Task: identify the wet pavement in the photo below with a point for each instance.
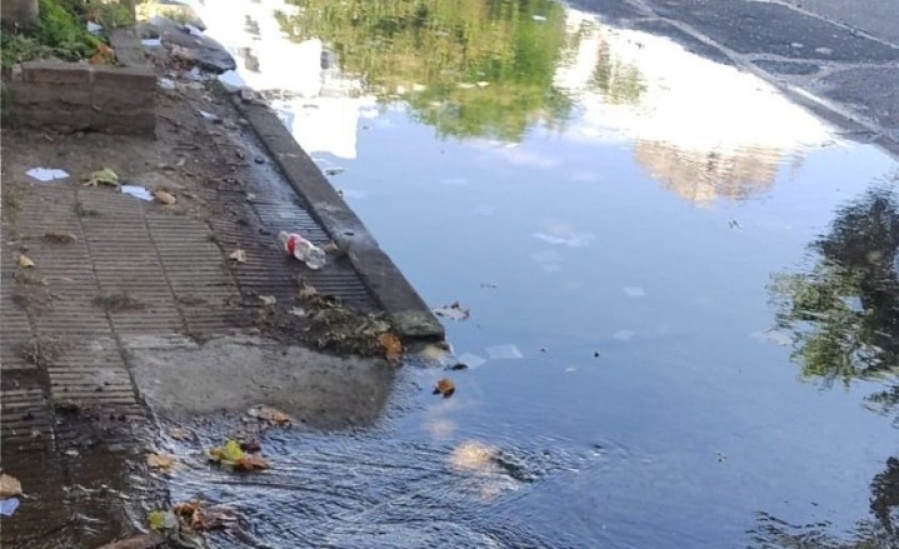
(683, 286)
(684, 289)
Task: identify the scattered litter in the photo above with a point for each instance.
(179, 433)
(634, 291)
(453, 312)
(333, 171)
(722, 457)
(539, 18)
(624, 335)
(8, 506)
(457, 367)
(93, 27)
(166, 84)
(578, 240)
(299, 312)
(151, 42)
(489, 285)
(46, 174)
(71, 452)
(269, 414)
(9, 486)
(471, 360)
(231, 456)
(302, 249)
(161, 462)
(251, 196)
(196, 517)
(268, 299)
(239, 256)
(733, 224)
(137, 192)
(208, 115)
(507, 351)
(165, 198)
(105, 177)
(444, 387)
(25, 262)
(393, 347)
(596, 354)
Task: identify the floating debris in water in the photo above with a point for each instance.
(453, 311)
(507, 351)
(444, 387)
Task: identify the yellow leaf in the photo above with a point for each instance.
(239, 256)
(161, 520)
(24, 262)
(9, 486)
(393, 347)
(105, 176)
(166, 198)
(158, 461)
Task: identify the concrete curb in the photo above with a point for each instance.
(411, 317)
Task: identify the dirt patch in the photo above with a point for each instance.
(31, 294)
(43, 351)
(118, 303)
(59, 237)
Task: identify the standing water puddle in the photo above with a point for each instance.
(683, 288)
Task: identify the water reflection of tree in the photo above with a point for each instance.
(844, 313)
(441, 50)
(844, 316)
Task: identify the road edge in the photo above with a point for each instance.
(410, 316)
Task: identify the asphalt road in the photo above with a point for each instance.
(840, 58)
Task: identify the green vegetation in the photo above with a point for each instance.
(468, 67)
(62, 32)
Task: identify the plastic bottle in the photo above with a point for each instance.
(307, 252)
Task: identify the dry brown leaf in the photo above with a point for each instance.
(9, 486)
(444, 387)
(239, 256)
(178, 433)
(166, 198)
(251, 462)
(159, 461)
(393, 347)
(306, 291)
(24, 262)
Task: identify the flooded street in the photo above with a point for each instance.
(684, 288)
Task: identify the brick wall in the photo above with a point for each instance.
(73, 96)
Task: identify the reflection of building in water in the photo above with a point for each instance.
(701, 177)
(703, 129)
(322, 107)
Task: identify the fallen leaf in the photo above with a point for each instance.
(164, 197)
(269, 414)
(105, 176)
(178, 433)
(251, 462)
(159, 461)
(393, 347)
(162, 520)
(453, 312)
(229, 454)
(186, 509)
(239, 256)
(9, 486)
(268, 299)
(306, 291)
(444, 387)
(24, 262)
(298, 311)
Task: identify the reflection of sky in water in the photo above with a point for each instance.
(654, 314)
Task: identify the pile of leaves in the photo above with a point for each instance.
(335, 326)
(61, 32)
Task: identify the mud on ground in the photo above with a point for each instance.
(91, 278)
